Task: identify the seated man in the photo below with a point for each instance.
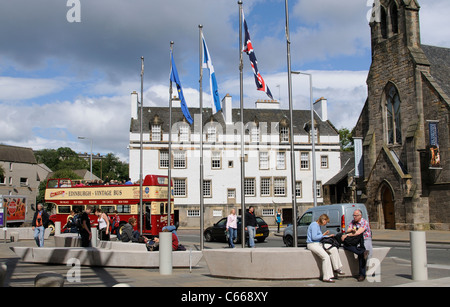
(128, 232)
(359, 226)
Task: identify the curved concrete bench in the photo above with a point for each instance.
(73, 240)
(103, 257)
(23, 233)
(278, 263)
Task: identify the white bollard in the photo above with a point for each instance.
(419, 270)
(57, 228)
(165, 253)
(94, 238)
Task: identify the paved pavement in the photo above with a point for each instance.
(393, 272)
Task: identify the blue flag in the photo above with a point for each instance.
(174, 78)
(207, 63)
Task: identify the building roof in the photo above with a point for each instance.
(17, 154)
(160, 115)
(439, 59)
(347, 169)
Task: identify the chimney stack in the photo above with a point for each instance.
(134, 105)
(320, 107)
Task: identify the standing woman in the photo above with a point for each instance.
(103, 225)
(279, 219)
(232, 227)
(330, 257)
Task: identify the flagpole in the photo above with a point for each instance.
(202, 205)
(241, 82)
(169, 183)
(141, 147)
(291, 129)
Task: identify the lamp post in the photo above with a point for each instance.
(90, 160)
(313, 135)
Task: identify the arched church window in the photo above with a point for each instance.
(394, 18)
(394, 132)
(383, 22)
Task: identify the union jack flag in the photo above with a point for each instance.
(248, 48)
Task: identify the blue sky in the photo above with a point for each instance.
(60, 80)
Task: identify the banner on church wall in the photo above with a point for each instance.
(358, 149)
(435, 157)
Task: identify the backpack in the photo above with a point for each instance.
(357, 241)
(333, 241)
(77, 221)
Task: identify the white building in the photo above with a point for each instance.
(267, 158)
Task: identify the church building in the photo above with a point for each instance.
(403, 129)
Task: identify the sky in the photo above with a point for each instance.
(68, 67)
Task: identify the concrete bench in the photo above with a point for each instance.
(73, 240)
(278, 263)
(122, 246)
(104, 257)
(21, 233)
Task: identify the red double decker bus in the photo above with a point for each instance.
(67, 196)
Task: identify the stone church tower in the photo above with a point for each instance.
(404, 125)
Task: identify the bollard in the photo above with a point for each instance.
(94, 238)
(49, 279)
(57, 228)
(419, 269)
(165, 253)
(3, 273)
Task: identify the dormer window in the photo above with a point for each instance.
(183, 133)
(156, 135)
(284, 134)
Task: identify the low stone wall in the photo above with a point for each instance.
(21, 233)
(132, 257)
(278, 263)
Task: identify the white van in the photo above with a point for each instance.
(340, 217)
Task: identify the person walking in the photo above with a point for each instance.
(251, 225)
(232, 227)
(39, 224)
(330, 257)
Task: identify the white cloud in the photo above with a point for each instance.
(433, 21)
(27, 88)
(106, 120)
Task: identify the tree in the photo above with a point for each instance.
(346, 139)
(61, 158)
(110, 167)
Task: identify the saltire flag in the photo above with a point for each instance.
(207, 63)
(248, 48)
(174, 78)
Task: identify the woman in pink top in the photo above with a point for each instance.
(232, 227)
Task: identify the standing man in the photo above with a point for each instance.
(250, 226)
(39, 223)
(85, 231)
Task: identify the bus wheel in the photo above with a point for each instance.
(52, 228)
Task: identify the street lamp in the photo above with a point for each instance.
(90, 160)
(313, 134)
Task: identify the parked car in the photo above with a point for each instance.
(340, 217)
(217, 231)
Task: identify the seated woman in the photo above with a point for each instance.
(330, 256)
